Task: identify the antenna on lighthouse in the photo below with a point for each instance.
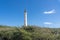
(25, 18)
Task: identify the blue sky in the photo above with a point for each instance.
(40, 12)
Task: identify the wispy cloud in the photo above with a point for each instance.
(48, 23)
(49, 12)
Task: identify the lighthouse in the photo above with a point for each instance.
(25, 18)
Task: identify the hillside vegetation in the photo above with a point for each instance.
(29, 33)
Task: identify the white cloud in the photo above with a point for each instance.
(47, 23)
(50, 12)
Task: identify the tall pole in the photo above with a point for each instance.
(25, 17)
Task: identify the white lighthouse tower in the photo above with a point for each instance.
(25, 18)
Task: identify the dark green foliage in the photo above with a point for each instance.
(28, 33)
